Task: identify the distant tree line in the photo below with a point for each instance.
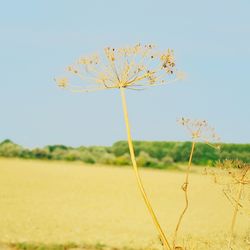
(149, 154)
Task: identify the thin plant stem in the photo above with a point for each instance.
(236, 209)
(138, 177)
(185, 189)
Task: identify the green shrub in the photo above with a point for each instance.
(123, 160)
(145, 160)
(149, 154)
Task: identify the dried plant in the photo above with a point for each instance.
(234, 177)
(199, 130)
(135, 68)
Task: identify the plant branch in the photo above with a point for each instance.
(185, 189)
(138, 177)
(236, 209)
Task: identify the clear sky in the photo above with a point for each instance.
(39, 38)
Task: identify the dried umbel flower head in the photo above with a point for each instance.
(136, 68)
(235, 180)
(230, 174)
(133, 67)
(199, 130)
(228, 164)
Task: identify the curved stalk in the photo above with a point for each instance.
(138, 178)
(236, 208)
(185, 189)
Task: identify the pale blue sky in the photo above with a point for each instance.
(211, 40)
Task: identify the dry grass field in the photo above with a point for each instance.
(57, 202)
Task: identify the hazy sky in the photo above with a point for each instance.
(39, 39)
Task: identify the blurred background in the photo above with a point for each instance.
(40, 38)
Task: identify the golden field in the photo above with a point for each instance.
(60, 202)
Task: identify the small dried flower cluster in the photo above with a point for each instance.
(231, 171)
(200, 130)
(133, 67)
(230, 174)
